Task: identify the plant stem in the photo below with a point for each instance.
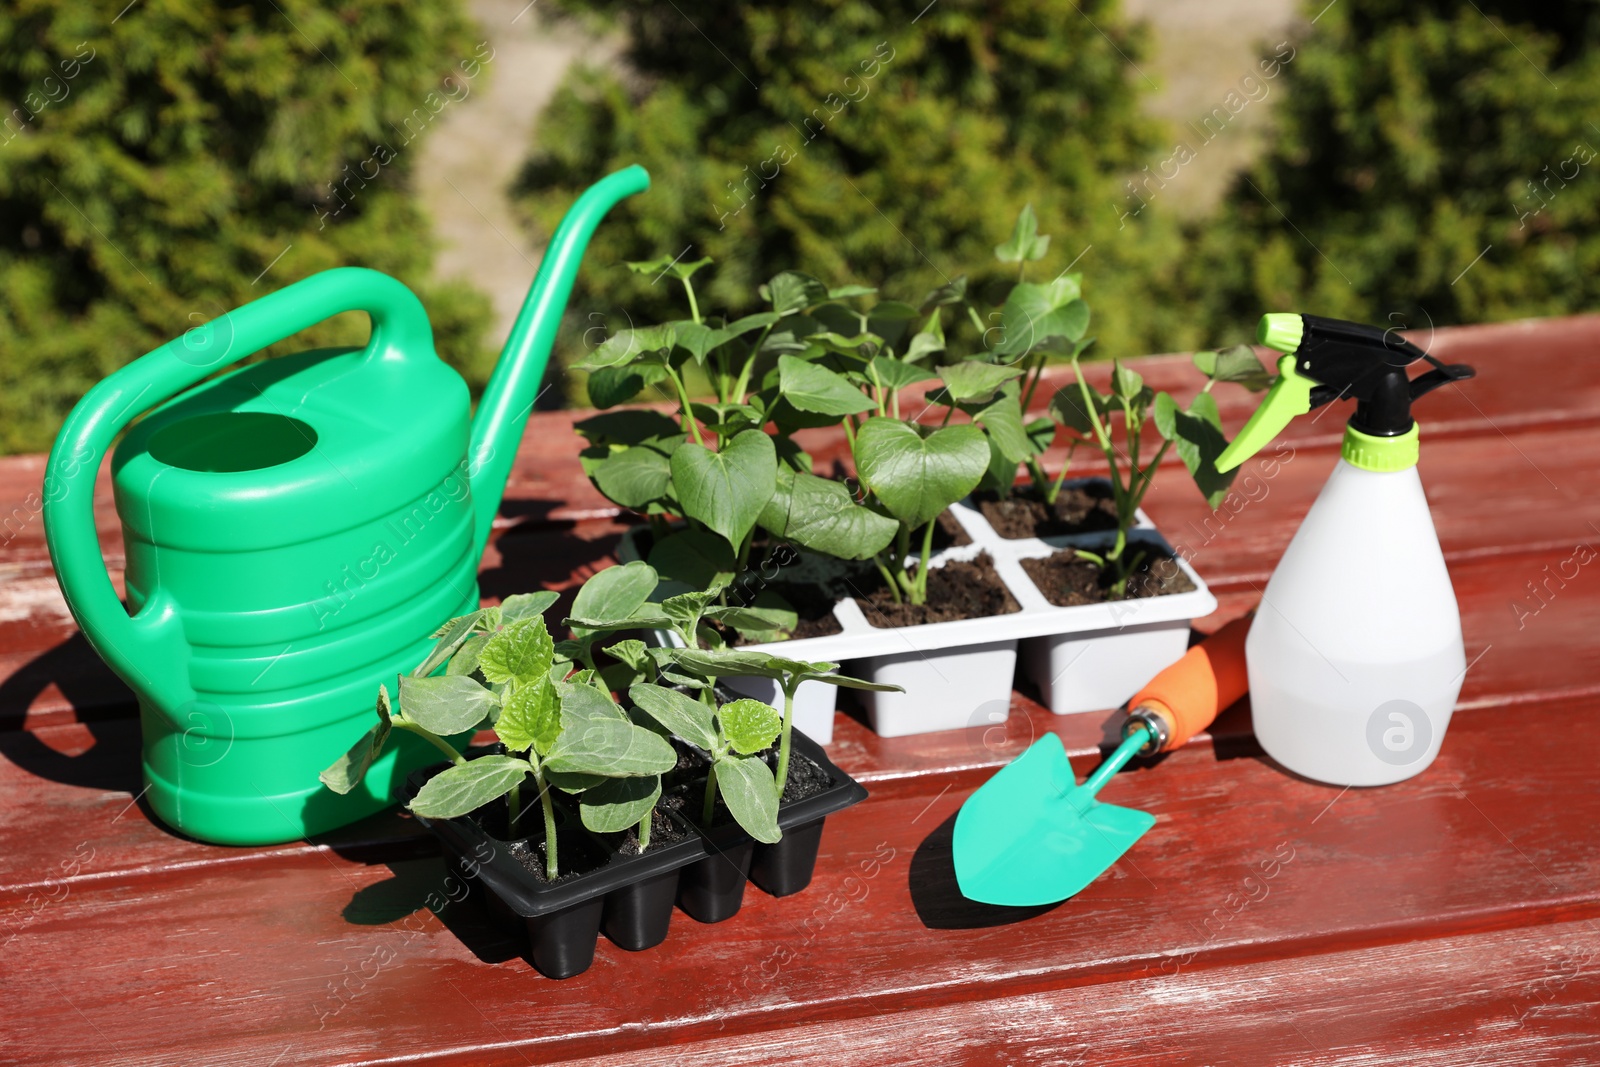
(709, 808)
(644, 830)
(513, 808)
(1061, 476)
(694, 305)
(921, 595)
(1038, 372)
(689, 422)
(550, 867)
(427, 735)
(850, 434)
(888, 579)
(790, 684)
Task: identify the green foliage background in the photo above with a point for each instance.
(861, 143)
(1413, 137)
(192, 143)
(1428, 162)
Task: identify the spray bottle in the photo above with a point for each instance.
(1355, 658)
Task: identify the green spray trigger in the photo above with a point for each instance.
(1289, 396)
(1329, 359)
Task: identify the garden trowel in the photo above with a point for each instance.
(1031, 835)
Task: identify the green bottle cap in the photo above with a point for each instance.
(1281, 331)
(1382, 454)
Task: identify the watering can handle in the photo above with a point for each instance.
(148, 650)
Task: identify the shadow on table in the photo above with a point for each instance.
(104, 707)
(938, 899)
(424, 885)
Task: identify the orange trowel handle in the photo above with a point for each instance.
(1187, 696)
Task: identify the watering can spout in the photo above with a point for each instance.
(514, 385)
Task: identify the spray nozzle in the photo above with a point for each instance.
(1329, 359)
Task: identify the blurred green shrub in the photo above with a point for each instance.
(1413, 139)
(888, 144)
(161, 167)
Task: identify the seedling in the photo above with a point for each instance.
(563, 732)
(733, 737)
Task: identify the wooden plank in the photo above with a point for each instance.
(1245, 864)
(57, 777)
(1532, 373)
(49, 671)
(1528, 996)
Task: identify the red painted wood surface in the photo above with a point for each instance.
(1454, 918)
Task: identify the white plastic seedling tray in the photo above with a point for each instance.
(959, 674)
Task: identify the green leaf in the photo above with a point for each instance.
(697, 559)
(667, 265)
(844, 292)
(451, 636)
(792, 291)
(610, 386)
(582, 702)
(1041, 435)
(520, 606)
(749, 726)
(530, 717)
(751, 794)
(1026, 242)
(1237, 364)
(629, 428)
(1033, 314)
(522, 651)
(1068, 408)
(633, 477)
(1125, 383)
(758, 321)
(618, 803)
(891, 320)
(820, 514)
(1196, 436)
(726, 490)
(614, 593)
(466, 787)
(611, 747)
(810, 387)
(348, 770)
(754, 618)
(625, 346)
(728, 663)
(976, 380)
(1002, 421)
(445, 705)
(635, 654)
(682, 715)
(465, 661)
(917, 477)
(894, 375)
(844, 681)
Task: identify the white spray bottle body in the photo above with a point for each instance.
(1356, 656)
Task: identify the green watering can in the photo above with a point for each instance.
(295, 531)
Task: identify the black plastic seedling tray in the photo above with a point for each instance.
(630, 897)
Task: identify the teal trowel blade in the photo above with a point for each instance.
(1032, 835)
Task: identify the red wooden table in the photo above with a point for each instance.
(1453, 918)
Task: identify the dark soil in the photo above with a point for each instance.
(576, 854)
(814, 607)
(1067, 580)
(949, 533)
(957, 590)
(663, 832)
(806, 779)
(1087, 508)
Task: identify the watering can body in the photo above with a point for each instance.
(295, 533)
